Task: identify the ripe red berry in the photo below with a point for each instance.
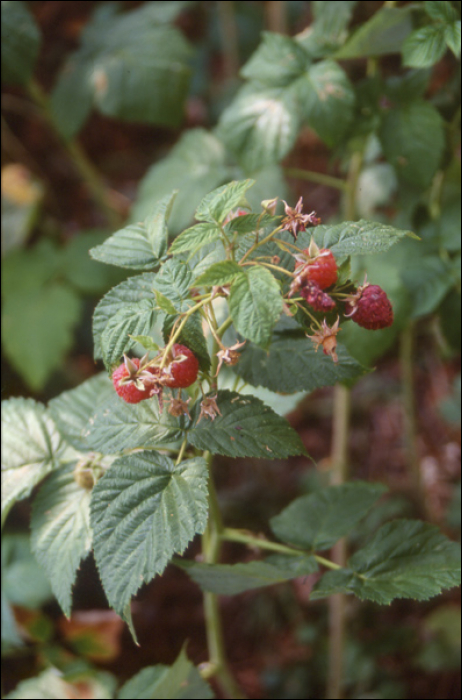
(370, 308)
(316, 298)
(321, 269)
(182, 371)
(127, 389)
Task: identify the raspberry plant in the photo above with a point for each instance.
(129, 463)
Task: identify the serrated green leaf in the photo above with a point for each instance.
(384, 33)
(327, 99)
(37, 330)
(196, 237)
(156, 224)
(425, 46)
(317, 521)
(245, 428)
(181, 681)
(442, 11)
(118, 426)
(173, 281)
(277, 61)
(143, 511)
(31, 447)
(60, 531)
(218, 274)
(72, 409)
(331, 19)
(427, 279)
(130, 67)
(87, 275)
(132, 291)
(72, 98)
(453, 37)
(148, 80)
(11, 638)
(20, 42)
(255, 304)
(292, 365)
(261, 125)
(130, 320)
(194, 166)
(248, 223)
(130, 248)
(413, 140)
(146, 341)
(404, 559)
(216, 205)
(231, 579)
(354, 237)
(192, 335)
(23, 580)
(164, 304)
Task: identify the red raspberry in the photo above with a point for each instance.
(128, 390)
(321, 269)
(182, 370)
(370, 308)
(315, 297)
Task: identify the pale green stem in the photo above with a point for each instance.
(251, 540)
(318, 178)
(258, 244)
(84, 166)
(336, 603)
(224, 326)
(211, 545)
(434, 200)
(339, 470)
(181, 325)
(273, 267)
(182, 451)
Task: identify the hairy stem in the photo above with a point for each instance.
(83, 165)
(211, 545)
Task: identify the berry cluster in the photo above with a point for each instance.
(136, 380)
(316, 271)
